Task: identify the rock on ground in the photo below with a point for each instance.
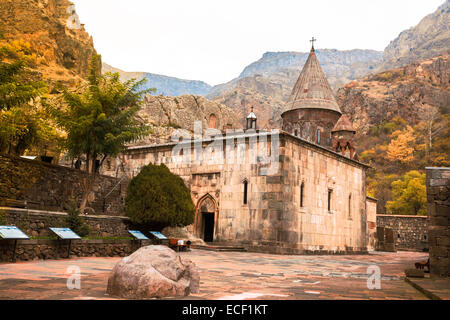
(153, 272)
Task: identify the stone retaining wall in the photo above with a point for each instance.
(27, 250)
(47, 186)
(37, 223)
(438, 198)
(410, 232)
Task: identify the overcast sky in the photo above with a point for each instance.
(213, 40)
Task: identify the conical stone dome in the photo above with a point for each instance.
(312, 90)
(343, 124)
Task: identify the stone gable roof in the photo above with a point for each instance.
(343, 124)
(312, 89)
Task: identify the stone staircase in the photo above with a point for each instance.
(211, 246)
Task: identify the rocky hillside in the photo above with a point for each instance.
(429, 38)
(399, 92)
(50, 30)
(267, 83)
(402, 118)
(167, 114)
(167, 86)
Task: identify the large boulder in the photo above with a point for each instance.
(153, 272)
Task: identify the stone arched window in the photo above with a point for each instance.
(330, 198)
(302, 194)
(350, 206)
(318, 136)
(245, 183)
(212, 121)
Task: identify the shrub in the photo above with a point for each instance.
(75, 222)
(159, 198)
(3, 220)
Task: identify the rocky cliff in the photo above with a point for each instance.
(51, 30)
(167, 114)
(429, 38)
(398, 92)
(167, 86)
(267, 83)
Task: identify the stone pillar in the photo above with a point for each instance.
(438, 199)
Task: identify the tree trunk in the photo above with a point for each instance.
(88, 181)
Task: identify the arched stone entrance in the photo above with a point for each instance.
(206, 218)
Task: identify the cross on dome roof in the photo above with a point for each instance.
(312, 43)
(312, 90)
(251, 115)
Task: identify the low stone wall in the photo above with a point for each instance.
(410, 232)
(438, 199)
(37, 223)
(27, 250)
(47, 186)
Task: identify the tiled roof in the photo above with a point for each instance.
(343, 124)
(312, 89)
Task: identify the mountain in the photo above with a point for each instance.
(429, 38)
(399, 92)
(49, 30)
(402, 118)
(167, 86)
(166, 114)
(266, 84)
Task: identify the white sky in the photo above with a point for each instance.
(213, 40)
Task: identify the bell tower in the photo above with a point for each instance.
(251, 120)
(343, 137)
(312, 110)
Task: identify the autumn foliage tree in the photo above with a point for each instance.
(401, 147)
(23, 121)
(409, 195)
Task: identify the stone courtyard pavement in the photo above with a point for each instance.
(229, 275)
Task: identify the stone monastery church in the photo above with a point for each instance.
(311, 196)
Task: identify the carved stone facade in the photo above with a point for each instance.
(438, 201)
(311, 124)
(306, 199)
(315, 201)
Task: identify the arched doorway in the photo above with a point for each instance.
(206, 218)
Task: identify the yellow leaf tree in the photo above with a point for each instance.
(401, 147)
(409, 195)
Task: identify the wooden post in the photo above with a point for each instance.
(14, 251)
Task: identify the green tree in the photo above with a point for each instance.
(22, 121)
(75, 222)
(100, 120)
(158, 197)
(3, 220)
(409, 195)
(18, 83)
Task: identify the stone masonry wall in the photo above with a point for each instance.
(271, 220)
(47, 249)
(438, 200)
(410, 232)
(36, 223)
(47, 186)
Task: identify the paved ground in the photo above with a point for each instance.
(230, 275)
(433, 288)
